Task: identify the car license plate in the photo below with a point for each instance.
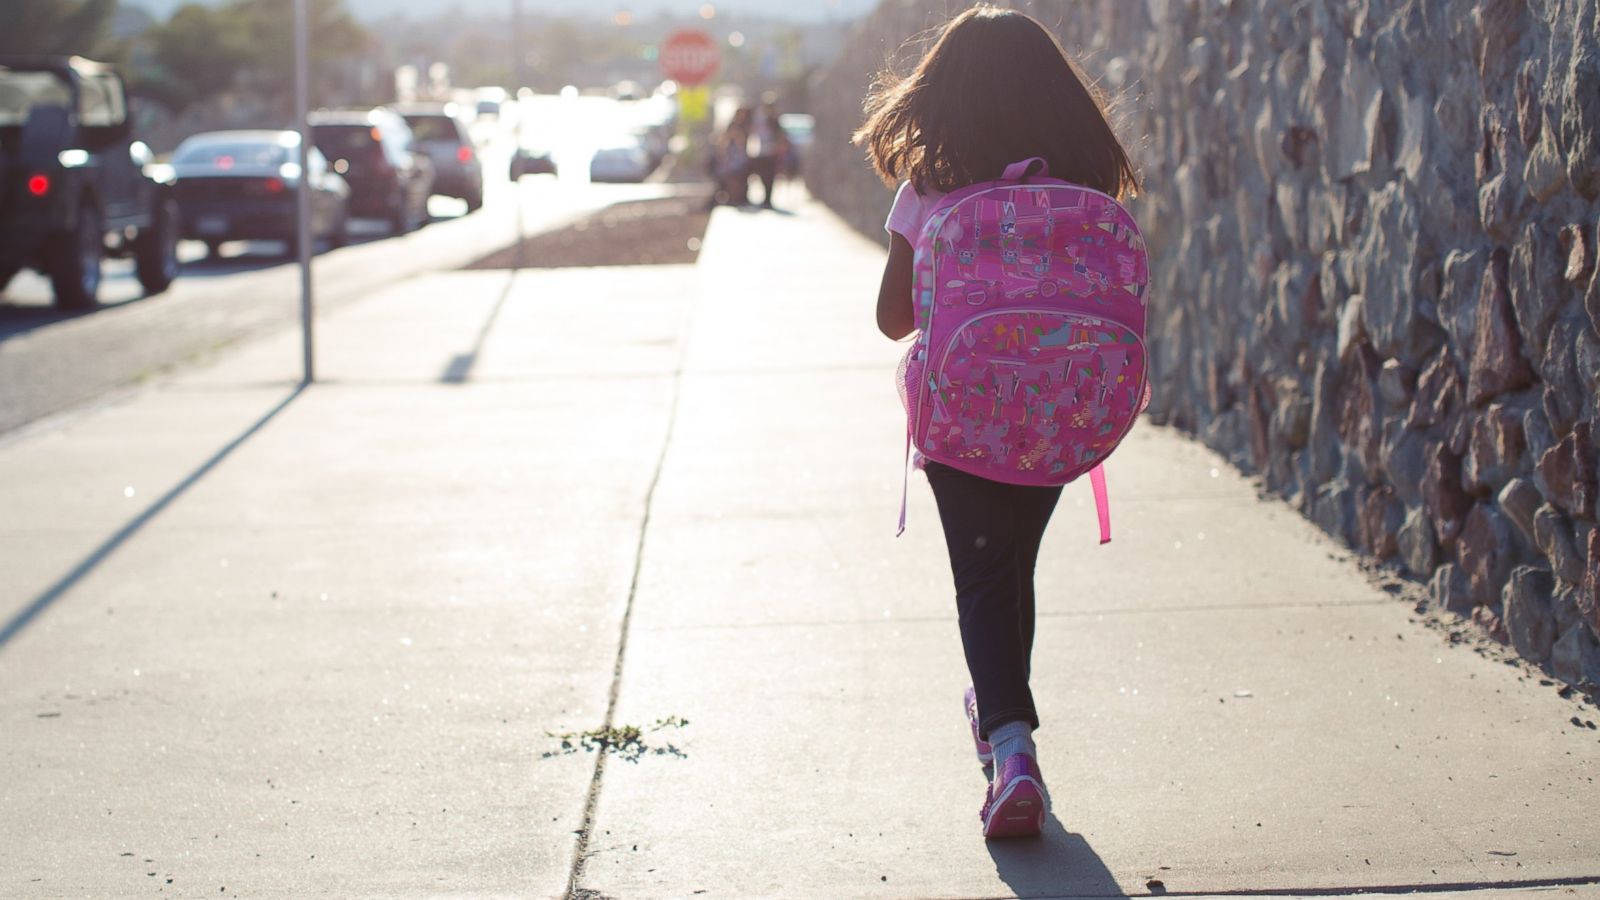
(212, 225)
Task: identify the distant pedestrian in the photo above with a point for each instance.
(767, 146)
(997, 97)
(731, 160)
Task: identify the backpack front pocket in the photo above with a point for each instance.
(1031, 395)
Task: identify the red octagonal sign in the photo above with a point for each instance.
(690, 57)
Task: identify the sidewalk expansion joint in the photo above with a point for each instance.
(580, 850)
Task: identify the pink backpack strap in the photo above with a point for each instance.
(1022, 171)
(905, 483)
(1102, 503)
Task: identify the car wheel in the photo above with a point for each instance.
(74, 261)
(474, 199)
(400, 219)
(340, 235)
(155, 250)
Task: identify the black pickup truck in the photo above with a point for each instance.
(73, 187)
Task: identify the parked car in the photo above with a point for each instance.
(440, 133)
(243, 185)
(73, 186)
(376, 154)
(488, 102)
(622, 157)
(532, 159)
(799, 129)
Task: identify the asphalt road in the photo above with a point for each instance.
(50, 362)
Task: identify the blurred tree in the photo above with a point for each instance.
(197, 54)
(338, 42)
(55, 26)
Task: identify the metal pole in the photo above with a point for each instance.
(518, 80)
(302, 103)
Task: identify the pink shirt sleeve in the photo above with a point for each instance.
(907, 214)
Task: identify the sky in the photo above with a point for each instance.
(802, 10)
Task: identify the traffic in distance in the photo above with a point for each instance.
(78, 186)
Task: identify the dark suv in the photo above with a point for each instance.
(72, 182)
(376, 153)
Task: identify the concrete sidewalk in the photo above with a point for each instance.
(322, 645)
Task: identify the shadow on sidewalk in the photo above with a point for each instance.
(462, 364)
(65, 583)
(1058, 864)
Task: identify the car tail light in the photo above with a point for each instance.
(39, 185)
(464, 153)
(273, 185)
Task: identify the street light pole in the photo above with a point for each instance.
(517, 81)
(302, 103)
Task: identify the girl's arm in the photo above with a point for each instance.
(896, 313)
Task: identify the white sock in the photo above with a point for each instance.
(1009, 739)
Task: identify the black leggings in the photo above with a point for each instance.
(993, 532)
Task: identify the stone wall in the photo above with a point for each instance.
(1373, 224)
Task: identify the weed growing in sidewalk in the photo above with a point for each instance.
(625, 741)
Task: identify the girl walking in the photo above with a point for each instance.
(996, 89)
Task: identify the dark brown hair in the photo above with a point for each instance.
(995, 88)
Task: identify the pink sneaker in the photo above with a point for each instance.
(1016, 802)
(985, 752)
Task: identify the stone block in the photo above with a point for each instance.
(1580, 120)
(1544, 174)
(1389, 267)
(1359, 427)
(1497, 365)
(1412, 153)
(1291, 419)
(1568, 472)
(1553, 536)
(1260, 415)
(1352, 331)
(1448, 590)
(1588, 362)
(1404, 461)
(1459, 283)
(1577, 248)
(1500, 25)
(1591, 301)
(1495, 449)
(1378, 521)
(1502, 205)
(1483, 552)
(1323, 447)
(1442, 494)
(1589, 595)
(1397, 382)
(1332, 509)
(1530, 114)
(1520, 501)
(1438, 392)
(1419, 550)
(1492, 620)
(1535, 285)
(1575, 656)
(1528, 621)
(1536, 429)
(1356, 136)
(1565, 395)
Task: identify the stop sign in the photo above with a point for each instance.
(690, 57)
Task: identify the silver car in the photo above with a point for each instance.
(442, 134)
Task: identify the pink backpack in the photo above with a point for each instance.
(1029, 366)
